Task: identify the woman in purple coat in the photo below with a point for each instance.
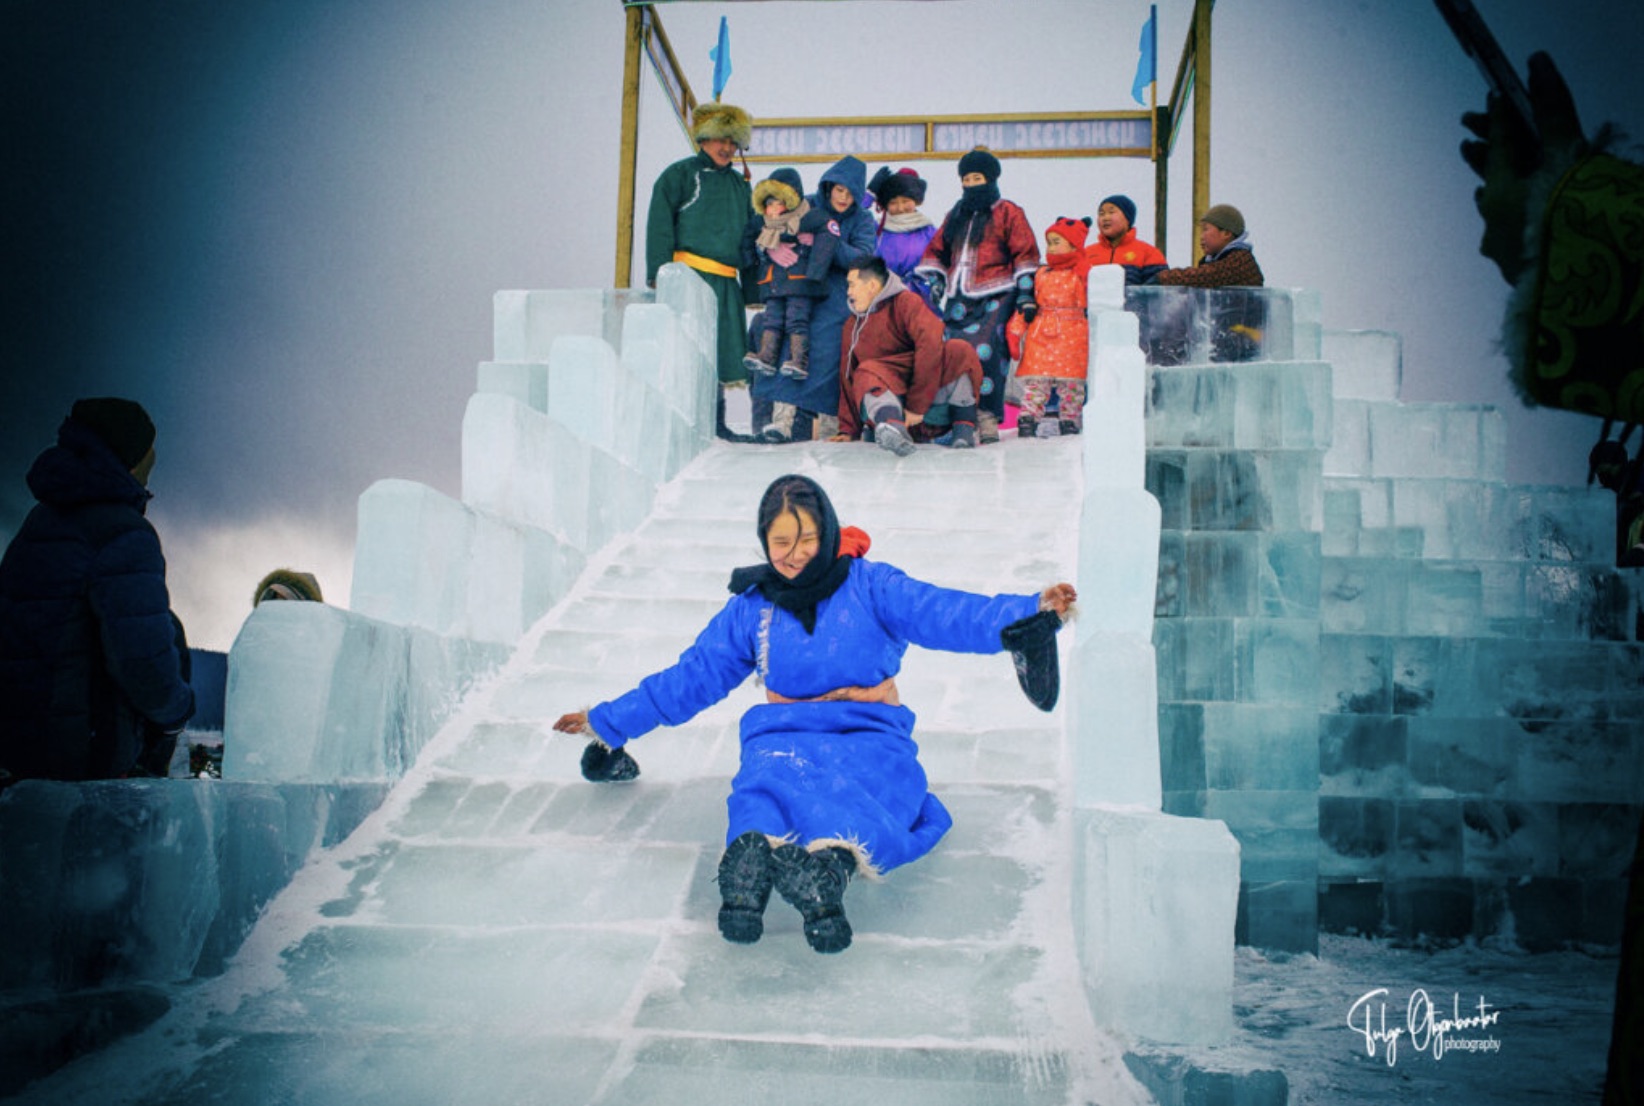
(904, 230)
(830, 782)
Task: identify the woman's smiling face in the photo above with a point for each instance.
(792, 540)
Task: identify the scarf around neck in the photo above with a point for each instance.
(907, 221)
(786, 223)
(822, 576)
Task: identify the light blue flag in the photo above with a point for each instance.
(1145, 65)
(722, 57)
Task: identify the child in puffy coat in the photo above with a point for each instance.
(1050, 336)
(792, 247)
(830, 783)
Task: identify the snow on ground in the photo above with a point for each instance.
(1542, 1037)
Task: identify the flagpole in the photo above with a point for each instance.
(1161, 167)
(627, 157)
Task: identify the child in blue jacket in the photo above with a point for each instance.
(830, 782)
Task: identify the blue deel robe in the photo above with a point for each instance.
(824, 771)
(819, 392)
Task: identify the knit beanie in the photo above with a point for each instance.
(1225, 216)
(1124, 203)
(1073, 230)
(122, 424)
(887, 186)
(980, 161)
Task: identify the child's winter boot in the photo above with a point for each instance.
(745, 877)
(763, 360)
(797, 366)
(892, 434)
(1065, 427)
(1027, 426)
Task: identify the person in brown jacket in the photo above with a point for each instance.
(896, 370)
(1228, 260)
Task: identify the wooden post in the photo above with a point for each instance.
(1161, 177)
(1201, 115)
(628, 157)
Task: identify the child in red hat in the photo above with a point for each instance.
(1050, 335)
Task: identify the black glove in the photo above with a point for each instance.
(1029, 310)
(601, 764)
(1032, 645)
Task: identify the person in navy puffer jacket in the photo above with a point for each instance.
(92, 661)
(830, 783)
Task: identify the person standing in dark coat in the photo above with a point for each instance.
(93, 664)
(699, 206)
(798, 403)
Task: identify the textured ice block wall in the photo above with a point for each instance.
(1154, 902)
(1479, 754)
(1155, 896)
(423, 559)
(320, 694)
(1235, 459)
(151, 880)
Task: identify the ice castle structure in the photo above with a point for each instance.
(1330, 672)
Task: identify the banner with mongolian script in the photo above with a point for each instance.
(1118, 135)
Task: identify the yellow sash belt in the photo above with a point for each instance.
(704, 264)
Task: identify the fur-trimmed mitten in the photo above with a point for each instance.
(1032, 645)
(603, 764)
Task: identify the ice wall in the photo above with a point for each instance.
(1481, 737)
(591, 400)
(318, 694)
(1406, 686)
(1154, 894)
(150, 881)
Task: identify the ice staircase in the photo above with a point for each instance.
(501, 931)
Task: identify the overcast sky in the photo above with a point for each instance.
(279, 223)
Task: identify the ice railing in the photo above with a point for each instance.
(1197, 326)
(592, 401)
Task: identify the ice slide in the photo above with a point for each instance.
(500, 930)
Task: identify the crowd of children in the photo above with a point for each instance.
(979, 274)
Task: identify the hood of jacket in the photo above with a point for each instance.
(1242, 242)
(848, 171)
(893, 288)
(82, 469)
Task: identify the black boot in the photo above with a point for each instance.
(1067, 426)
(1027, 426)
(745, 887)
(1032, 645)
(814, 885)
(722, 429)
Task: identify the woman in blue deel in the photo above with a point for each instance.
(830, 782)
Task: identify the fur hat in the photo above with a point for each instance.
(122, 424)
(1226, 217)
(1072, 230)
(887, 186)
(980, 161)
(772, 189)
(721, 121)
(284, 583)
(1125, 204)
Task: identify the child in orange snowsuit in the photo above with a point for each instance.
(1050, 336)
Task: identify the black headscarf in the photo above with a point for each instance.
(968, 219)
(825, 572)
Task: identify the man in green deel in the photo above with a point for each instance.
(699, 208)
